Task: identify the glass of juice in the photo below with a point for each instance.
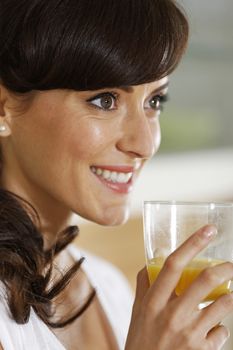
(168, 224)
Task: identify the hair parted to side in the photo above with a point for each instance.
(79, 45)
(88, 44)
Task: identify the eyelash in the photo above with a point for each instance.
(162, 98)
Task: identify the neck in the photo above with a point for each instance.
(54, 216)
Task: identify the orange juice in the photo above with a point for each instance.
(189, 274)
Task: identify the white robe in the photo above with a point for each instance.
(114, 295)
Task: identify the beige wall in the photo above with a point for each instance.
(123, 245)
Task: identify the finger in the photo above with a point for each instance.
(217, 337)
(142, 284)
(169, 276)
(205, 283)
(141, 289)
(216, 312)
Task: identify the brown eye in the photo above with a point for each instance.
(105, 101)
(155, 103)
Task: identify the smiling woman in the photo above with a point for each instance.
(82, 85)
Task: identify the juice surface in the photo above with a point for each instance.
(189, 274)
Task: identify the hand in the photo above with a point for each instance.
(163, 321)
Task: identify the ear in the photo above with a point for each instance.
(5, 129)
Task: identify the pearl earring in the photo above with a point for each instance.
(3, 128)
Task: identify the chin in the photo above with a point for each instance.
(112, 217)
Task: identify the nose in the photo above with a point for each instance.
(140, 136)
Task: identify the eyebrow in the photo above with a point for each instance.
(130, 89)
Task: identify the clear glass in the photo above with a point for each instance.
(168, 224)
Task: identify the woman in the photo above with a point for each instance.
(82, 86)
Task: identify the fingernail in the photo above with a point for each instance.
(210, 231)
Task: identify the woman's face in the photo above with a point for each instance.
(83, 151)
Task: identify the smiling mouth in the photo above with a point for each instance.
(114, 177)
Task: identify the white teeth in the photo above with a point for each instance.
(106, 174)
(124, 177)
(121, 177)
(112, 176)
(99, 171)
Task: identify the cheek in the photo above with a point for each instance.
(88, 139)
(156, 135)
(158, 138)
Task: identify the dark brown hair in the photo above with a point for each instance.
(80, 45)
(23, 261)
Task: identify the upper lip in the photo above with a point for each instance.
(117, 168)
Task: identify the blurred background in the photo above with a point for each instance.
(195, 161)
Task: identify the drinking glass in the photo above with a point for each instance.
(168, 224)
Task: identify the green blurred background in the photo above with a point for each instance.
(199, 114)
